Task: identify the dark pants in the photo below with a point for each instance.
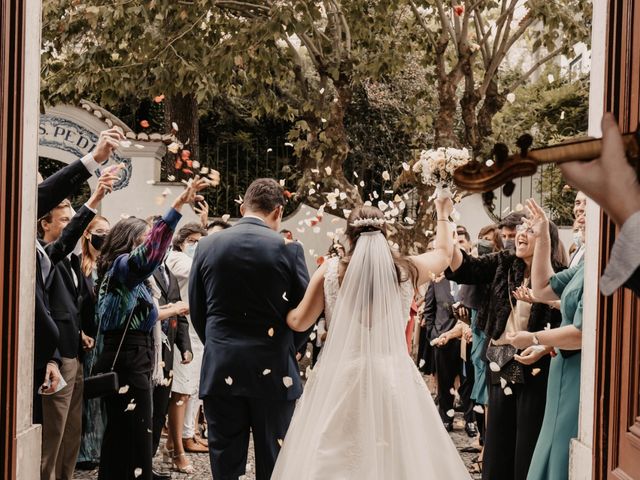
(466, 387)
(513, 426)
(127, 441)
(38, 378)
(161, 394)
(229, 421)
(448, 367)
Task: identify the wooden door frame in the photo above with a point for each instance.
(616, 430)
(12, 28)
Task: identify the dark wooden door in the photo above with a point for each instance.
(617, 422)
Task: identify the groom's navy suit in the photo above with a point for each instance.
(244, 281)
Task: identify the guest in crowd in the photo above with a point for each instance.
(130, 254)
(51, 192)
(518, 386)
(579, 212)
(216, 226)
(173, 331)
(184, 403)
(613, 184)
(94, 412)
(560, 425)
(62, 411)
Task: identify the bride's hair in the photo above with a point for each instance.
(371, 219)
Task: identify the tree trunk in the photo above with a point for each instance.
(183, 111)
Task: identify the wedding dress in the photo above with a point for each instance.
(366, 412)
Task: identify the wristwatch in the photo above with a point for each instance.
(535, 339)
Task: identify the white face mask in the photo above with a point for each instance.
(190, 250)
(577, 239)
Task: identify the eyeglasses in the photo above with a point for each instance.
(522, 228)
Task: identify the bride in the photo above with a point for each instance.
(366, 411)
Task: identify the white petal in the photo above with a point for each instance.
(503, 382)
(451, 413)
(226, 217)
(228, 381)
(287, 381)
(137, 472)
(266, 371)
(494, 367)
(422, 362)
(123, 389)
(125, 143)
(328, 170)
(174, 125)
(284, 297)
(386, 176)
(270, 332)
(508, 391)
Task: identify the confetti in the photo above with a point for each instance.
(315, 170)
(280, 442)
(321, 90)
(266, 371)
(131, 407)
(478, 409)
(422, 362)
(535, 371)
(355, 174)
(386, 176)
(489, 163)
(503, 382)
(451, 413)
(287, 381)
(123, 390)
(171, 178)
(562, 115)
(494, 367)
(323, 120)
(508, 391)
(362, 184)
(174, 125)
(406, 166)
(137, 472)
(270, 332)
(511, 97)
(551, 78)
(228, 381)
(288, 144)
(284, 297)
(328, 170)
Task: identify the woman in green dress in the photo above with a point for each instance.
(560, 424)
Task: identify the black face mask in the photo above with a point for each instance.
(509, 244)
(97, 241)
(484, 247)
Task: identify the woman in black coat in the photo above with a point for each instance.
(517, 383)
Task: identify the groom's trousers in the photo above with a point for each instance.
(229, 420)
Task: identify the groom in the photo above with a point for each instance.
(243, 282)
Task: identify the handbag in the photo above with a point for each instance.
(510, 370)
(106, 383)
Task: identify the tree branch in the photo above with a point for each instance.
(446, 23)
(421, 21)
(535, 67)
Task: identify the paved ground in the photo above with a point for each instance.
(203, 471)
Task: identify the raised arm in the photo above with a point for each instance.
(541, 268)
(304, 316)
(432, 264)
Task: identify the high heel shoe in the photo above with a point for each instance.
(167, 455)
(188, 469)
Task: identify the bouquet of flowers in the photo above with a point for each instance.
(436, 166)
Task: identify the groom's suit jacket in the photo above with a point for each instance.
(244, 280)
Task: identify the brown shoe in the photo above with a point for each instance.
(201, 440)
(191, 445)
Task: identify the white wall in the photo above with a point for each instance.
(580, 467)
(28, 444)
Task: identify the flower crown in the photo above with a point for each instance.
(368, 222)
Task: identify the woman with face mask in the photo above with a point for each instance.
(93, 413)
(183, 405)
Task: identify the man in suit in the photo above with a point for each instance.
(440, 318)
(243, 282)
(62, 411)
(51, 192)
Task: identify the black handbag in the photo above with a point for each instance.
(107, 383)
(510, 370)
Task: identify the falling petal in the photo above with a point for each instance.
(131, 406)
(288, 144)
(315, 170)
(287, 381)
(551, 78)
(138, 146)
(519, 207)
(508, 391)
(228, 381)
(489, 163)
(284, 297)
(124, 389)
(535, 371)
(494, 367)
(386, 176)
(270, 332)
(171, 178)
(328, 170)
(511, 97)
(362, 183)
(343, 195)
(179, 402)
(280, 442)
(478, 409)
(421, 363)
(503, 382)
(312, 191)
(137, 472)
(323, 120)
(150, 182)
(451, 413)
(406, 166)
(174, 125)
(321, 90)
(226, 217)
(125, 143)
(266, 371)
